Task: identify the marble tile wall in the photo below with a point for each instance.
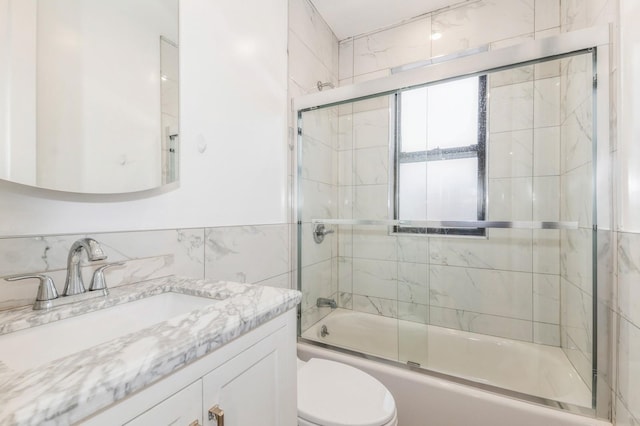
(252, 254)
(577, 292)
(623, 306)
(318, 199)
(469, 25)
(313, 57)
(378, 272)
(524, 184)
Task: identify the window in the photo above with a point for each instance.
(440, 154)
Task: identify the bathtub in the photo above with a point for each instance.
(528, 368)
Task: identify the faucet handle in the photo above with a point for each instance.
(320, 231)
(99, 282)
(46, 291)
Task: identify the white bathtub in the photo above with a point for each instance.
(524, 367)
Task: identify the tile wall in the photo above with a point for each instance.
(576, 168)
(576, 291)
(514, 273)
(622, 307)
(313, 57)
(252, 254)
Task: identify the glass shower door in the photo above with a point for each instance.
(344, 158)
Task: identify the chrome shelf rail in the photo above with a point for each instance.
(487, 224)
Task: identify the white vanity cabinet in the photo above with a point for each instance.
(248, 387)
(182, 408)
(252, 379)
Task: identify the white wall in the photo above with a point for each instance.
(233, 108)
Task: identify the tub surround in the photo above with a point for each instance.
(74, 387)
(409, 278)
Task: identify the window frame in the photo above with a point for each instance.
(444, 154)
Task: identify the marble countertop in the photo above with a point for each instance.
(71, 388)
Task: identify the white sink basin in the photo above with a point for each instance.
(38, 345)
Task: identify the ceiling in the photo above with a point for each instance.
(353, 17)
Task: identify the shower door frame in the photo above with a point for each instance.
(594, 40)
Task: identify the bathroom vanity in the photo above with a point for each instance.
(226, 352)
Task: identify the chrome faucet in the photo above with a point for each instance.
(323, 302)
(73, 284)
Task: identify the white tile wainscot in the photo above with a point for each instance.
(247, 335)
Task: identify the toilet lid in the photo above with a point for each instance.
(334, 394)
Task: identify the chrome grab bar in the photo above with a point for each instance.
(487, 224)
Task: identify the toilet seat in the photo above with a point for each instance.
(335, 394)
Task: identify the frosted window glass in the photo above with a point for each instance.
(440, 185)
(413, 125)
(453, 114)
(452, 189)
(413, 187)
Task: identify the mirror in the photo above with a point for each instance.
(89, 94)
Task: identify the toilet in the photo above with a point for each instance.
(334, 394)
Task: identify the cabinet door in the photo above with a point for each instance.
(183, 408)
(250, 388)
